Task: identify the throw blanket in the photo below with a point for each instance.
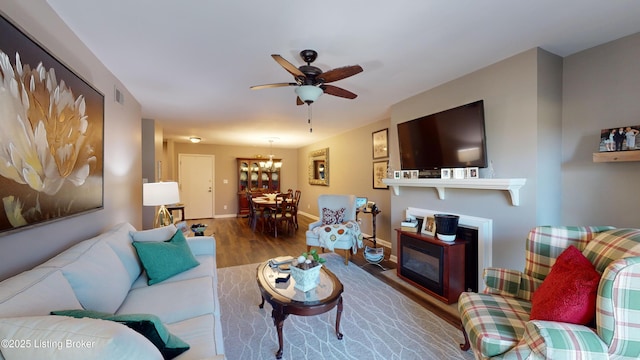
(329, 234)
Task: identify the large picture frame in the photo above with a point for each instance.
(52, 138)
(379, 173)
(380, 142)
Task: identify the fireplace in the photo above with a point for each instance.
(437, 267)
(421, 262)
(478, 233)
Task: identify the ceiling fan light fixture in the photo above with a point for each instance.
(195, 139)
(308, 93)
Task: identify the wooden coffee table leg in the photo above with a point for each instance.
(279, 316)
(338, 315)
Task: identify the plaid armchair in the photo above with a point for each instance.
(496, 323)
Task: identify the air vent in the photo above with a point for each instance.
(119, 96)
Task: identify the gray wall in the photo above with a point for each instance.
(350, 172)
(522, 99)
(601, 90)
(122, 162)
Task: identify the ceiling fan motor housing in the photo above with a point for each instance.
(310, 72)
(309, 56)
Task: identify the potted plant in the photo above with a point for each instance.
(305, 270)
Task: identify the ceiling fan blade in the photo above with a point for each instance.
(292, 69)
(340, 73)
(299, 101)
(266, 86)
(336, 91)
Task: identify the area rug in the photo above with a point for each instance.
(378, 322)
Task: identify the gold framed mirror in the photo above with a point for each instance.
(319, 167)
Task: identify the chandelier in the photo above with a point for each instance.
(270, 165)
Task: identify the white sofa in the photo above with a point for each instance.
(105, 274)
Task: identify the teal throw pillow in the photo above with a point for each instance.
(147, 325)
(164, 259)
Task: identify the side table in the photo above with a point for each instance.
(177, 207)
(373, 255)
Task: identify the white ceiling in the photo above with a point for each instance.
(190, 63)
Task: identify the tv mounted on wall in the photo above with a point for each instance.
(453, 138)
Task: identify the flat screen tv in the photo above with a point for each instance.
(453, 138)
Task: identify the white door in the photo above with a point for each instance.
(196, 185)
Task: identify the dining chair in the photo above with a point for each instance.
(256, 214)
(283, 214)
(295, 204)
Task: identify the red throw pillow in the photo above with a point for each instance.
(330, 217)
(568, 293)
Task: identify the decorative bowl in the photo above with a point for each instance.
(198, 229)
(271, 197)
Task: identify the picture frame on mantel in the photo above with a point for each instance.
(429, 225)
(379, 173)
(56, 136)
(380, 143)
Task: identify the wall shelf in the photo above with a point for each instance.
(511, 185)
(617, 156)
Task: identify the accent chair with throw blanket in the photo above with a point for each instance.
(337, 227)
(578, 298)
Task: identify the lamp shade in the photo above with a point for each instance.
(160, 193)
(308, 93)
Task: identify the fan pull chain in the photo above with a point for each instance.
(309, 118)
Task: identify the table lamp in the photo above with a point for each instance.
(161, 194)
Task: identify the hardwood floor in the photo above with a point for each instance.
(236, 245)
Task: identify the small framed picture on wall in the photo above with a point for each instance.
(380, 144)
(379, 173)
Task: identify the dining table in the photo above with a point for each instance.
(264, 203)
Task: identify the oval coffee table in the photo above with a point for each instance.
(285, 299)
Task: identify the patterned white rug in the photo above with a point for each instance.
(378, 322)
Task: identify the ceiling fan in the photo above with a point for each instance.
(310, 81)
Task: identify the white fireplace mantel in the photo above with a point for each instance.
(511, 185)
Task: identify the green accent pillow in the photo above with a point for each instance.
(147, 325)
(164, 259)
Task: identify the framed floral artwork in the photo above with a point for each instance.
(379, 173)
(380, 144)
(51, 144)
